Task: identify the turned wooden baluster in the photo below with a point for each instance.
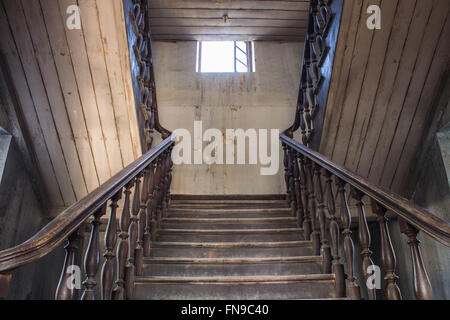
(110, 243)
(315, 234)
(364, 240)
(305, 195)
(123, 246)
(293, 196)
(169, 174)
(297, 188)
(148, 210)
(161, 184)
(155, 200)
(320, 207)
(141, 221)
(349, 249)
(66, 290)
(388, 259)
(130, 269)
(303, 103)
(308, 103)
(286, 173)
(92, 257)
(336, 266)
(421, 282)
(165, 184)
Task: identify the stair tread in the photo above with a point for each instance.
(233, 209)
(241, 280)
(233, 260)
(232, 244)
(272, 230)
(230, 219)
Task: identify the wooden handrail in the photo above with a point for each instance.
(60, 228)
(421, 219)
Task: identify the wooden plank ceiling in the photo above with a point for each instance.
(228, 19)
(73, 90)
(384, 87)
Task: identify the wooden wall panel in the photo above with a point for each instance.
(112, 57)
(44, 55)
(352, 88)
(381, 99)
(369, 86)
(431, 36)
(69, 86)
(388, 77)
(39, 95)
(77, 47)
(250, 20)
(413, 142)
(74, 91)
(13, 66)
(96, 56)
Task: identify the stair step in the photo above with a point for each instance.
(229, 213)
(220, 267)
(231, 249)
(230, 235)
(226, 197)
(229, 223)
(235, 205)
(307, 286)
(243, 202)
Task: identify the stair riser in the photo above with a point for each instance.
(242, 291)
(227, 214)
(218, 206)
(230, 269)
(223, 225)
(229, 237)
(281, 203)
(234, 252)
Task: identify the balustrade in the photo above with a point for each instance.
(320, 204)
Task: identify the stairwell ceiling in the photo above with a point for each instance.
(228, 20)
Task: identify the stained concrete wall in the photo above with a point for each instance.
(265, 99)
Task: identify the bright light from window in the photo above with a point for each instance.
(224, 56)
(217, 56)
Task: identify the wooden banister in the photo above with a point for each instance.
(412, 220)
(64, 225)
(421, 219)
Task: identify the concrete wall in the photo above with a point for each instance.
(263, 99)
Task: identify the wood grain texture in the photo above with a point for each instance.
(383, 85)
(69, 86)
(19, 84)
(111, 49)
(38, 93)
(388, 76)
(74, 90)
(194, 20)
(83, 75)
(96, 56)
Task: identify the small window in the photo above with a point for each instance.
(225, 56)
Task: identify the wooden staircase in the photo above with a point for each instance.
(234, 249)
